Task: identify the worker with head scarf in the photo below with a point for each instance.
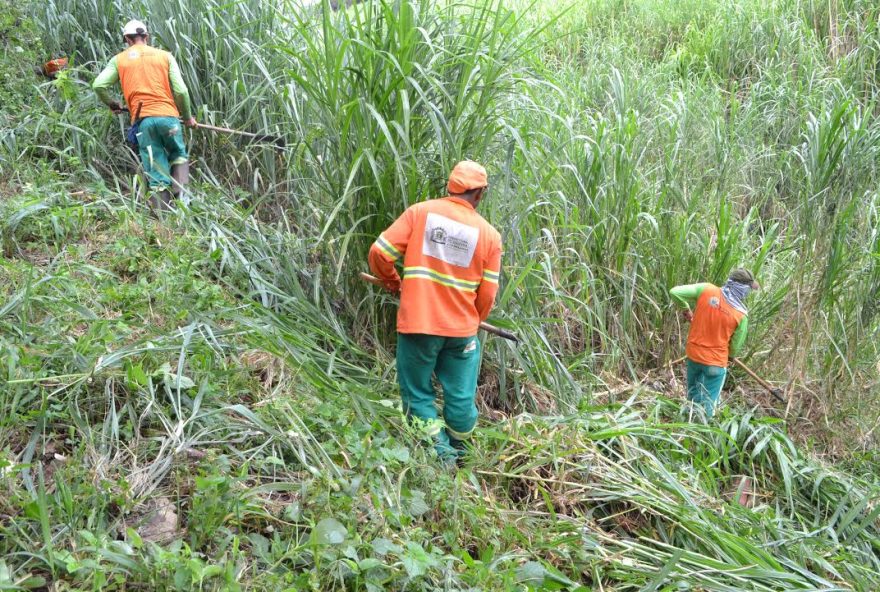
(719, 323)
(157, 98)
(451, 264)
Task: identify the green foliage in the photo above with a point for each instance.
(21, 57)
(633, 146)
(226, 359)
(290, 467)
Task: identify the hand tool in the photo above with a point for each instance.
(776, 392)
(263, 138)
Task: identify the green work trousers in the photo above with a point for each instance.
(704, 384)
(160, 142)
(456, 363)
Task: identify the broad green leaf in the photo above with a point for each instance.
(383, 546)
(417, 504)
(531, 573)
(329, 531)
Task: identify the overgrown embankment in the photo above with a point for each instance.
(163, 429)
(208, 401)
(631, 146)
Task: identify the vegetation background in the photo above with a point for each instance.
(208, 401)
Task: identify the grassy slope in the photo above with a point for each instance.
(279, 445)
(288, 466)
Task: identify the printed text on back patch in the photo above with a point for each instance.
(449, 240)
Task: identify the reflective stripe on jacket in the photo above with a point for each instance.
(144, 76)
(451, 265)
(714, 323)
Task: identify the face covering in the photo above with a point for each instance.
(735, 294)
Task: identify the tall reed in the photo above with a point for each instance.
(630, 150)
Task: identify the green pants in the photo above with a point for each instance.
(456, 363)
(160, 142)
(704, 384)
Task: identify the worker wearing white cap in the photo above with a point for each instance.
(157, 98)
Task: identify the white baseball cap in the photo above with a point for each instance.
(134, 27)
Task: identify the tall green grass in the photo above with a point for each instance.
(632, 146)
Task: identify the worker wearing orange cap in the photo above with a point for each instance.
(451, 264)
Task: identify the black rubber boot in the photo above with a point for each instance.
(161, 201)
(180, 178)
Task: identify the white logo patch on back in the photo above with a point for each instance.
(449, 240)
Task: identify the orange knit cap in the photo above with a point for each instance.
(465, 176)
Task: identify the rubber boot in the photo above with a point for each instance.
(161, 201)
(461, 449)
(180, 178)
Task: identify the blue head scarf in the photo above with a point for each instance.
(735, 294)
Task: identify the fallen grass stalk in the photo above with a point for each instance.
(632, 147)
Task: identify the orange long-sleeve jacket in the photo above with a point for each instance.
(451, 265)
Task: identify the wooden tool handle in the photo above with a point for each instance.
(770, 388)
(225, 130)
(484, 326)
(371, 279)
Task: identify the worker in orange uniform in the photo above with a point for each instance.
(157, 97)
(451, 264)
(719, 324)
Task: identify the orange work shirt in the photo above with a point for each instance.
(451, 265)
(144, 77)
(714, 323)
